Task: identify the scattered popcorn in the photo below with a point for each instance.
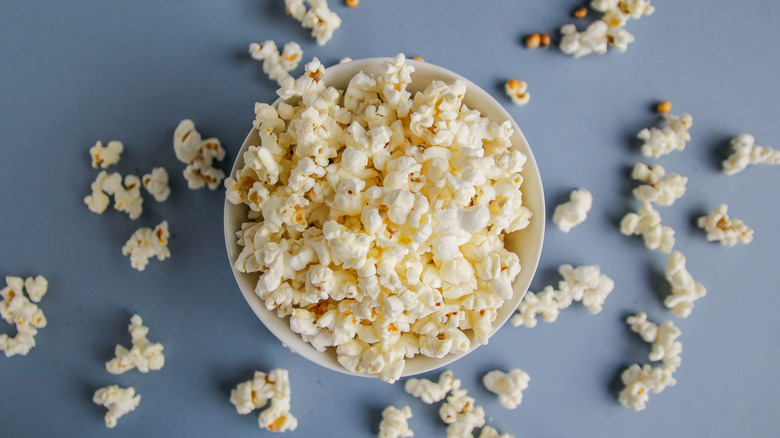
(394, 423)
(119, 402)
(105, 156)
(533, 41)
(146, 243)
(318, 17)
(672, 137)
(461, 414)
(719, 226)
(508, 386)
(345, 59)
(593, 39)
(516, 90)
(663, 107)
(198, 155)
(647, 222)
(745, 152)
(431, 392)
(418, 58)
(143, 355)
(23, 313)
(255, 394)
(156, 183)
(658, 190)
(277, 65)
(684, 289)
(608, 31)
(491, 432)
(639, 381)
(665, 347)
(575, 211)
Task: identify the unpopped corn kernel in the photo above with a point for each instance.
(580, 13)
(352, 3)
(394, 423)
(544, 40)
(146, 243)
(533, 41)
(118, 401)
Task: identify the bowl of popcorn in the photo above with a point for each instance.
(384, 217)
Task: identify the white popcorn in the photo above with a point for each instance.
(394, 423)
(619, 38)
(318, 17)
(277, 65)
(23, 313)
(575, 211)
(36, 287)
(517, 92)
(118, 401)
(146, 243)
(461, 414)
(745, 152)
(105, 156)
(198, 155)
(143, 355)
(720, 227)
(491, 432)
(543, 303)
(256, 393)
(592, 40)
(431, 392)
(345, 60)
(639, 381)
(622, 10)
(156, 183)
(684, 289)
(98, 201)
(658, 190)
(663, 339)
(647, 222)
(672, 137)
(508, 386)
(127, 197)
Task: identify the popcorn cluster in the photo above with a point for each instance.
(508, 386)
(517, 92)
(575, 211)
(105, 156)
(156, 183)
(255, 394)
(658, 190)
(639, 381)
(607, 31)
(491, 432)
(377, 219)
(146, 243)
(720, 227)
(584, 284)
(684, 289)
(143, 355)
(461, 414)
(277, 65)
(431, 392)
(118, 401)
(198, 155)
(745, 152)
(127, 196)
(318, 17)
(665, 348)
(22, 312)
(394, 423)
(672, 137)
(647, 223)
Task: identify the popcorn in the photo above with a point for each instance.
(623, 10)
(461, 414)
(592, 40)
(277, 65)
(543, 303)
(647, 222)
(146, 243)
(119, 401)
(36, 287)
(156, 183)
(659, 190)
(572, 213)
(609, 30)
(684, 289)
(430, 392)
(516, 90)
(105, 156)
(719, 226)
(394, 423)
(665, 348)
(491, 432)
(22, 312)
(255, 394)
(509, 386)
(639, 381)
(143, 355)
(318, 17)
(745, 152)
(127, 197)
(672, 137)
(198, 155)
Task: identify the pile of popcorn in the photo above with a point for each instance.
(22, 312)
(609, 30)
(376, 218)
(255, 394)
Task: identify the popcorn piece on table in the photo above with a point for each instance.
(156, 183)
(23, 313)
(491, 432)
(119, 401)
(592, 40)
(508, 386)
(543, 303)
(745, 152)
(461, 414)
(143, 355)
(685, 290)
(672, 137)
(639, 381)
(517, 91)
(647, 223)
(146, 243)
(431, 392)
(575, 211)
(105, 156)
(318, 17)
(198, 155)
(719, 226)
(394, 423)
(255, 394)
(658, 190)
(618, 12)
(663, 339)
(277, 65)
(127, 196)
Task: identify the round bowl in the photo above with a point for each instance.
(526, 243)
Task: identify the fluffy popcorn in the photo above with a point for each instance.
(156, 183)
(318, 17)
(104, 156)
(394, 423)
(745, 152)
(672, 137)
(143, 355)
(647, 223)
(127, 196)
(517, 91)
(491, 432)
(23, 313)
(592, 40)
(658, 190)
(256, 393)
(146, 243)
(542, 303)
(575, 211)
(720, 227)
(684, 289)
(617, 12)
(461, 414)
(639, 381)
(277, 65)
(663, 339)
(431, 392)
(508, 386)
(118, 401)
(198, 155)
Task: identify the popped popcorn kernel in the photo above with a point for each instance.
(146, 243)
(119, 402)
(639, 381)
(491, 432)
(720, 227)
(143, 355)
(317, 17)
(394, 423)
(672, 137)
(461, 414)
(431, 392)
(257, 392)
(658, 190)
(684, 289)
(663, 339)
(663, 107)
(517, 92)
(533, 41)
(103, 157)
(198, 155)
(647, 223)
(746, 152)
(277, 65)
(22, 312)
(544, 39)
(508, 386)
(156, 183)
(574, 212)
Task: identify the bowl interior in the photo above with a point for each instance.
(526, 243)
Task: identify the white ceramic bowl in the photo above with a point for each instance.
(527, 243)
